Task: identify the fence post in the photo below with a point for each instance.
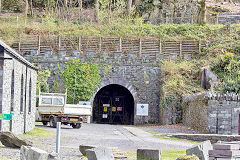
(120, 44)
(79, 43)
(217, 19)
(58, 134)
(140, 47)
(180, 49)
(199, 46)
(17, 20)
(39, 44)
(100, 44)
(160, 46)
(59, 42)
(19, 44)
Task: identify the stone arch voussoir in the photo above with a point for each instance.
(117, 81)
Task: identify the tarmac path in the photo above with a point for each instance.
(118, 137)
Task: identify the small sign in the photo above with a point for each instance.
(105, 109)
(5, 116)
(84, 103)
(106, 105)
(142, 109)
(119, 108)
(104, 116)
(114, 109)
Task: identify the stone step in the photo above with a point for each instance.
(225, 146)
(225, 153)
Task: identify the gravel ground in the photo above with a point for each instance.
(118, 137)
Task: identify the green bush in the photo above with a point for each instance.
(227, 67)
(81, 80)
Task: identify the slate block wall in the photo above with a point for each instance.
(229, 18)
(213, 113)
(11, 64)
(142, 74)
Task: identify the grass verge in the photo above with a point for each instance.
(157, 135)
(170, 154)
(38, 133)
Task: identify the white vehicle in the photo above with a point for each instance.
(52, 108)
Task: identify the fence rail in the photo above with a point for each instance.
(82, 46)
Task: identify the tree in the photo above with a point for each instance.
(81, 80)
(129, 7)
(31, 7)
(65, 3)
(203, 18)
(26, 10)
(96, 13)
(0, 6)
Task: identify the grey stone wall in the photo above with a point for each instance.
(219, 113)
(1, 81)
(178, 11)
(19, 120)
(214, 138)
(139, 75)
(228, 18)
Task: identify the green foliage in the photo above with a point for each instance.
(13, 5)
(44, 3)
(227, 66)
(178, 79)
(147, 6)
(111, 24)
(81, 79)
(42, 79)
(181, 77)
(55, 86)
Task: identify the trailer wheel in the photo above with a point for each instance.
(45, 123)
(53, 122)
(77, 126)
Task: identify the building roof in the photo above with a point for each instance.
(16, 55)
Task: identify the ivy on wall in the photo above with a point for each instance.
(81, 80)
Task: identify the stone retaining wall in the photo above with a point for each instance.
(212, 137)
(213, 113)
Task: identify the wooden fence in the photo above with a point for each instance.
(138, 46)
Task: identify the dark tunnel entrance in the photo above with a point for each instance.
(113, 104)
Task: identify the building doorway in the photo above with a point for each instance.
(113, 104)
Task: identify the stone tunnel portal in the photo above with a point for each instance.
(113, 104)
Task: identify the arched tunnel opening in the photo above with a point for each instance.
(113, 104)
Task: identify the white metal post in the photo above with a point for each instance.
(88, 119)
(58, 137)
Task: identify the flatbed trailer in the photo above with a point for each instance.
(52, 108)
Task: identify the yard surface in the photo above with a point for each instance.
(124, 140)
